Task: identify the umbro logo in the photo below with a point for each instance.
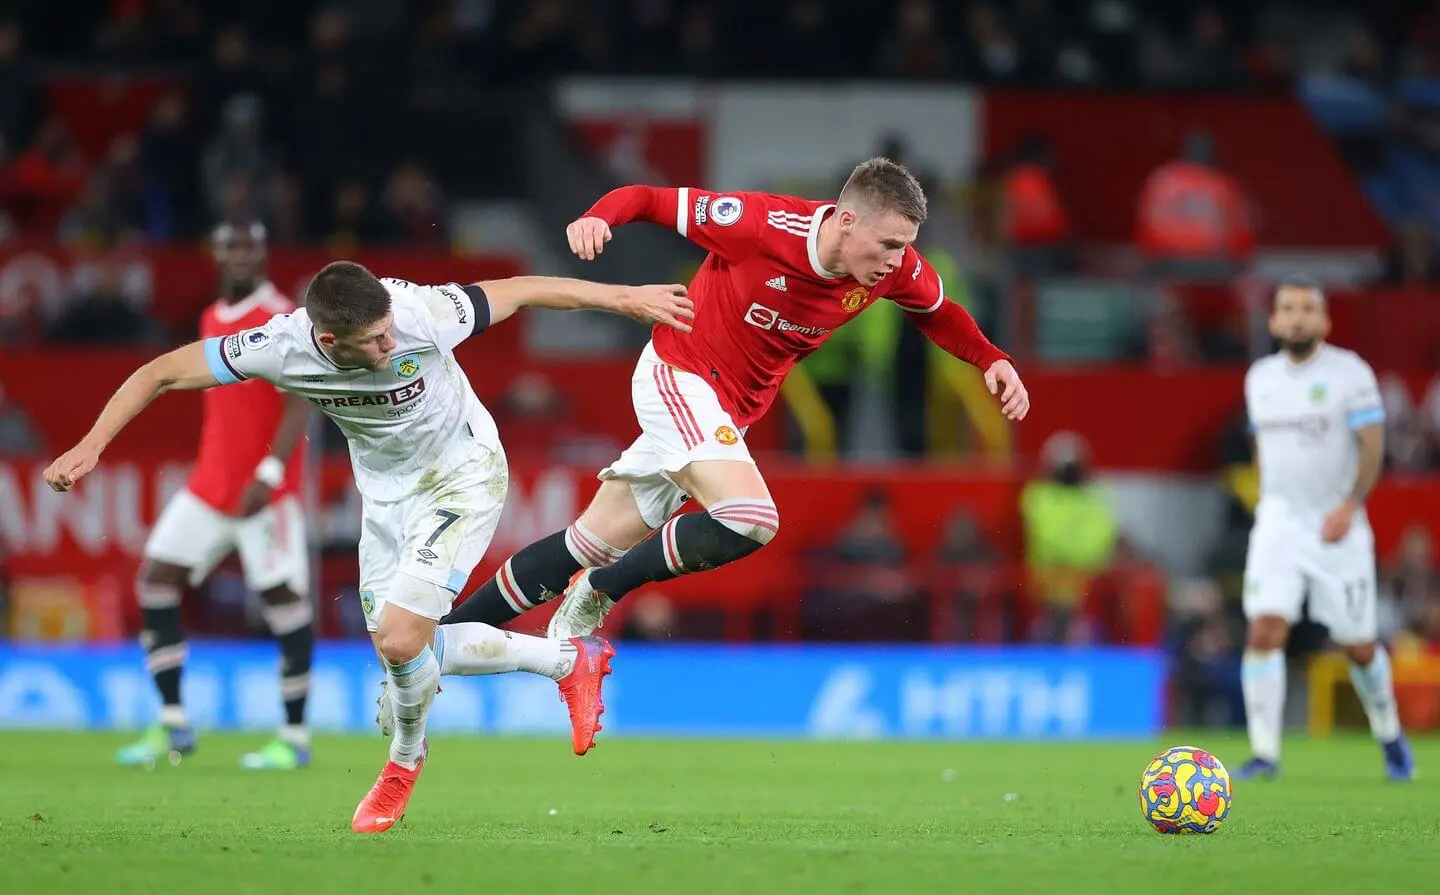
(777, 283)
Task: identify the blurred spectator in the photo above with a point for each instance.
(865, 591)
(804, 42)
(415, 207)
(1409, 430)
(652, 620)
(538, 42)
(40, 184)
(1411, 260)
(701, 52)
(169, 154)
(1070, 535)
(916, 47)
(112, 207)
(1076, 65)
(1193, 219)
(101, 314)
(975, 580)
(233, 72)
(1036, 223)
(329, 120)
(18, 434)
(238, 152)
(289, 224)
(1207, 636)
(353, 221)
(1173, 343)
(992, 54)
(1409, 579)
(1210, 60)
(534, 419)
(18, 99)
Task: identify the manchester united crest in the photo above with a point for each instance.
(853, 299)
(726, 435)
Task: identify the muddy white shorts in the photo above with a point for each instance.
(437, 535)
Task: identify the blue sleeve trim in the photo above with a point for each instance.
(1366, 416)
(219, 367)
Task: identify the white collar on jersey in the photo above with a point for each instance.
(812, 243)
(227, 312)
(1305, 364)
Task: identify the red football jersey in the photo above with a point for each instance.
(763, 301)
(240, 420)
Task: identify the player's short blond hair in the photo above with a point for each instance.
(883, 185)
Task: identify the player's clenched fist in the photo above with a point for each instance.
(1002, 380)
(658, 304)
(588, 237)
(70, 467)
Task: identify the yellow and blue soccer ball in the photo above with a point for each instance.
(1185, 790)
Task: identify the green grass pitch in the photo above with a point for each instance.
(649, 816)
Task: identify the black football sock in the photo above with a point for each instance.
(164, 642)
(535, 575)
(292, 621)
(686, 544)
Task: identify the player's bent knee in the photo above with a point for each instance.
(399, 647)
(279, 595)
(1267, 632)
(407, 623)
(755, 519)
(1360, 653)
(159, 585)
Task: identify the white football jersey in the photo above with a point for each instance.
(1304, 417)
(408, 425)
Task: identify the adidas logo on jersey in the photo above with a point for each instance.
(777, 283)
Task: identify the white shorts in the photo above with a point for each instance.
(1287, 559)
(681, 421)
(438, 535)
(273, 551)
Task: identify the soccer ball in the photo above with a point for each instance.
(1185, 790)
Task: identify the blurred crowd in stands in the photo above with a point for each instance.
(278, 116)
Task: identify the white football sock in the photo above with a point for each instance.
(412, 689)
(470, 648)
(1262, 676)
(1377, 693)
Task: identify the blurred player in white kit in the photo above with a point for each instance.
(376, 357)
(1319, 430)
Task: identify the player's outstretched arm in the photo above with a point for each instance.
(270, 474)
(184, 369)
(647, 304)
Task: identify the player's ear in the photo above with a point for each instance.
(326, 340)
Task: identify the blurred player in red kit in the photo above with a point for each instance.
(782, 274)
(241, 496)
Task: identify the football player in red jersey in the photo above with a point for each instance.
(241, 496)
(782, 274)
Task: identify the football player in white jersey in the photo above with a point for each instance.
(376, 357)
(1319, 429)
